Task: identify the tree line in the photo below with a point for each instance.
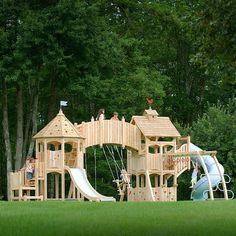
(113, 55)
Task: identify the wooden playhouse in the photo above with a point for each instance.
(157, 156)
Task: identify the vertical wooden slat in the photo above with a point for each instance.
(63, 170)
(123, 132)
(92, 132)
(45, 169)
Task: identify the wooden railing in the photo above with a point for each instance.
(183, 163)
(17, 179)
(136, 163)
(154, 161)
(110, 132)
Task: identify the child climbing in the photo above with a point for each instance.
(123, 183)
(125, 178)
(29, 170)
(194, 174)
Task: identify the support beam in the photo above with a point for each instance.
(63, 170)
(149, 192)
(57, 185)
(207, 176)
(222, 178)
(45, 170)
(183, 154)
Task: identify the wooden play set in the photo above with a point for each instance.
(156, 156)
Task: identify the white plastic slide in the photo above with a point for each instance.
(201, 187)
(79, 178)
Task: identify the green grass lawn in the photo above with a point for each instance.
(86, 218)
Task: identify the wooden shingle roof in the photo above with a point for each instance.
(152, 125)
(59, 127)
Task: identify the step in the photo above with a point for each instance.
(28, 188)
(25, 198)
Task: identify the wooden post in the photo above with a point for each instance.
(175, 185)
(79, 159)
(36, 178)
(207, 176)
(156, 180)
(73, 194)
(188, 148)
(63, 170)
(41, 187)
(123, 132)
(57, 185)
(36, 149)
(70, 190)
(136, 189)
(161, 174)
(101, 130)
(36, 170)
(93, 132)
(147, 159)
(118, 129)
(20, 188)
(142, 180)
(149, 192)
(45, 170)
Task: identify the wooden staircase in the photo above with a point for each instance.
(22, 189)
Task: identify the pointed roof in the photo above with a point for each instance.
(150, 124)
(59, 127)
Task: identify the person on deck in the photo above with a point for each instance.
(101, 114)
(115, 116)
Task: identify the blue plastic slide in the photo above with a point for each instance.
(201, 188)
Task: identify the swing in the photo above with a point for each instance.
(124, 182)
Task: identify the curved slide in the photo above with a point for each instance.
(201, 187)
(79, 178)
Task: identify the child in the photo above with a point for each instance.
(115, 116)
(194, 175)
(125, 177)
(101, 115)
(29, 170)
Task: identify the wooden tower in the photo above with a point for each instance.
(154, 173)
(58, 145)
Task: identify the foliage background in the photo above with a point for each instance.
(115, 54)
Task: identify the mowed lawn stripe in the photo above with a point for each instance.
(127, 218)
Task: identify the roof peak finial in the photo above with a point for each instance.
(60, 112)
